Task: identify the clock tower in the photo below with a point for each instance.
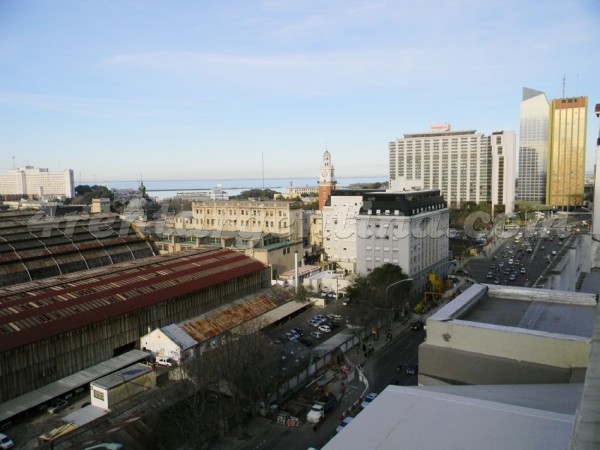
(326, 179)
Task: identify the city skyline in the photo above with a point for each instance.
(210, 90)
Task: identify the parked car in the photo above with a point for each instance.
(6, 442)
(314, 322)
(417, 325)
(347, 301)
(325, 328)
(344, 422)
(298, 330)
(412, 370)
(306, 341)
(58, 405)
(162, 361)
(317, 335)
(368, 399)
(334, 324)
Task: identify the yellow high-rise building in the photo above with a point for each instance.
(566, 152)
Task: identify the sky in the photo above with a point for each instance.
(179, 90)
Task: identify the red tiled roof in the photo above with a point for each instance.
(40, 309)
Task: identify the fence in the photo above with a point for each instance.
(300, 379)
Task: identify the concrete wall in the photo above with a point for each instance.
(441, 366)
(574, 259)
(537, 347)
(159, 344)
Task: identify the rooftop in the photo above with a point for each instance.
(36, 310)
(34, 246)
(490, 417)
(235, 314)
(122, 376)
(537, 310)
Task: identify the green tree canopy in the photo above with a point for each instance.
(87, 193)
(263, 194)
(376, 293)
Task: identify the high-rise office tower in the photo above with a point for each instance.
(533, 147)
(566, 152)
(464, 165)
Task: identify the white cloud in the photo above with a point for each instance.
(83, 106)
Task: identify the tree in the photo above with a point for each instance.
(223, 386)
(370, 294)
(82, 189)
(85, 194)
(263, 194)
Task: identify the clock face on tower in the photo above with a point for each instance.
(324, 173)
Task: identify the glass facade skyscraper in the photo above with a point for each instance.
(533, 147)
(566, 152)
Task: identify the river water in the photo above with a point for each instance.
(169, 188)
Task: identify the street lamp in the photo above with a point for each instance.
(387, 290)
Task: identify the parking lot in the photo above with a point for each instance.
(312, 326)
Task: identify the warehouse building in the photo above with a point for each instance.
(34, 246)
(54, 327)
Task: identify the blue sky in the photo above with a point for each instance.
(200, 89)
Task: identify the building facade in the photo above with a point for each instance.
(326, 179)
(503, 164)
(279, 218)
(36, 182)
(459, 163)
(409, 230)
(533, 147)
(339, 227)
(364, 229)
(566, 152)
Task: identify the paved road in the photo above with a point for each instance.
(382, 369)
(497, 261)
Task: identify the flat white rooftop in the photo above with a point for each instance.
(559, 312)
(416, 418)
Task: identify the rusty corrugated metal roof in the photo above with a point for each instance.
(230, 316)
(39, 309)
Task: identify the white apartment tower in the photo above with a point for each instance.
(36, 182)
(339, 227)
(503, 165)
(459, 163)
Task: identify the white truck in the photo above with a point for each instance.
(320, 408)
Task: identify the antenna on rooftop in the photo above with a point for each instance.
(564, 82)
(13, 162)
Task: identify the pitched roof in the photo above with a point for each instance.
(36, 310)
